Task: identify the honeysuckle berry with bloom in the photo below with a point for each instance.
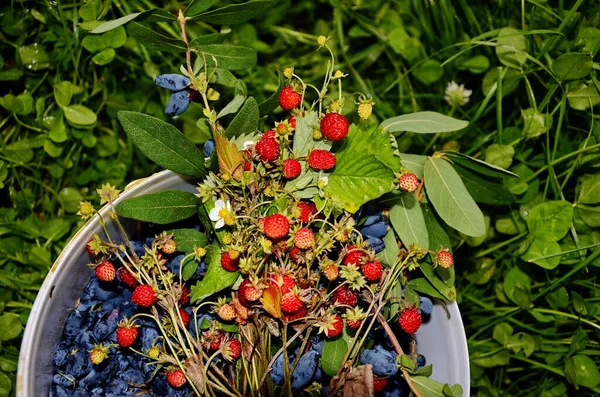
(457, 95)
(182, 95)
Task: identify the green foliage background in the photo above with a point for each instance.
(527, 290)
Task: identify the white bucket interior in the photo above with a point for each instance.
(442, 340)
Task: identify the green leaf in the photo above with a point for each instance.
(271, 103)
(522, 342)
(229, 56)
(115, 23)
(197, 6)
(153, 40)
(510, 82)
(104, 57)
(476, 64)
(499, 155)
(162, 143)
(189, 268)
(188, 239)
(450, 198)
(34, 57)
(360, 174)
(333, 355)
(216, 278)
(512, 48)
(590, 190)
(539, 249)
(234, 14)
(389, 255)
(5, 385)
(10, 326)
(485, 189)
(423, 285)
(232, 106)
(429, 72)
(516, 279)
(69, 198)
(479, 166)
(414, 162)
(423, 123)
(550, 221)
(80, 116)
(583, 97)
(582, 371)
(407, 219)
(535, 123)
(432, 388)
(588, 39)
(245, 121)
(115, 38)
(163, 207)
(303, 136)
(63, 93)
(438, 238)
(572, 66)
(93, 43)
(502, 333)
(447, 291)
(212, 38)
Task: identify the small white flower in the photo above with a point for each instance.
(323, 181)
(248, 145)
(221, 213)
(457, 95)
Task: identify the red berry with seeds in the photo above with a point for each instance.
(267, 149)
(106, 271)
(354, 256)
(408, 182)
(285, 283)
(320, 159)
(185, 296)
(291, 168)
(176, 378)
(289, 98)
(232, 349)
(295, 254)
(304, 238)
(229, 264)
(372, 270)
(271, 134)
(379, 384)
(89, 248)
(242, 292)
(127, 278)
(227, 312)
(445, 259)
(185, 317)
(307, 208)
(276, 226)
(215, 340)
(292, 121)
(143, 295)
(334, 327)
(299, 314)
(291, 303)
(252, 293)
(410, 320)
(334, 126)
(344, 296)
(127, 333)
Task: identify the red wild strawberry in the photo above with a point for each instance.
(247, 155)
(296, 255)
(320, 159)
(106, 271)
(169, 247)
(127, 278)
(445, 259)
(354, 256)
(98, 354)
(354, 317)
(214, 339)
(127, 333)
(232, 349)
(379, 384)
(276, 226)
(185, 317)
(372, 270)
(291, 303)
(353, 324)
(89, 248)
(410, 320)
(185, 296)
(408, 182)
(334, 326)
(307, 208)
(241, 295)
(292, 121)
(334, 126)
(231, 265)
(331, 271)
(252, 293)
(345, 296)
(267, 149)
(227, 312)
(143, 295)
(285, 283)
(304, 238)
(176, 378)
(291, 168)
(271, 134)
(289, 98)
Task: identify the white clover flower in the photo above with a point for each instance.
(248, 145)
(323, 181)
(457, 95)
(221, 214)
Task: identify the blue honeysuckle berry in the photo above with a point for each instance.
(277, 371)
(382, 360)
(178, 103)
(63, 381)
(208, 148)
(172, 81)
(305, 370)
(421, 361)
(425, 305)
(376, 243)
(58, 391)
(378, 230)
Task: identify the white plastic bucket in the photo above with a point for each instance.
(442, 340)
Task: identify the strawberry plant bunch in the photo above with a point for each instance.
(319, 236)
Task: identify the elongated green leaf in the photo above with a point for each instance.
(115, 23)
(212, 38)
(232, 106)
(153, 40)
(423, 285)
(216, 278)
(450, 198)
(479, 166)
(163, 143)
(407, 219)
(414, 162)
(432, 388)
(438, 238)
(333, 355)
(234, 14)
(423, 123)
(389, 255)
(188, 239)
(271, 103)
(245, 121)
(80, 116)
(447, 291)
(483, 189)
(198, 6)
(360, 174)
(163, 207)
(229, 56)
